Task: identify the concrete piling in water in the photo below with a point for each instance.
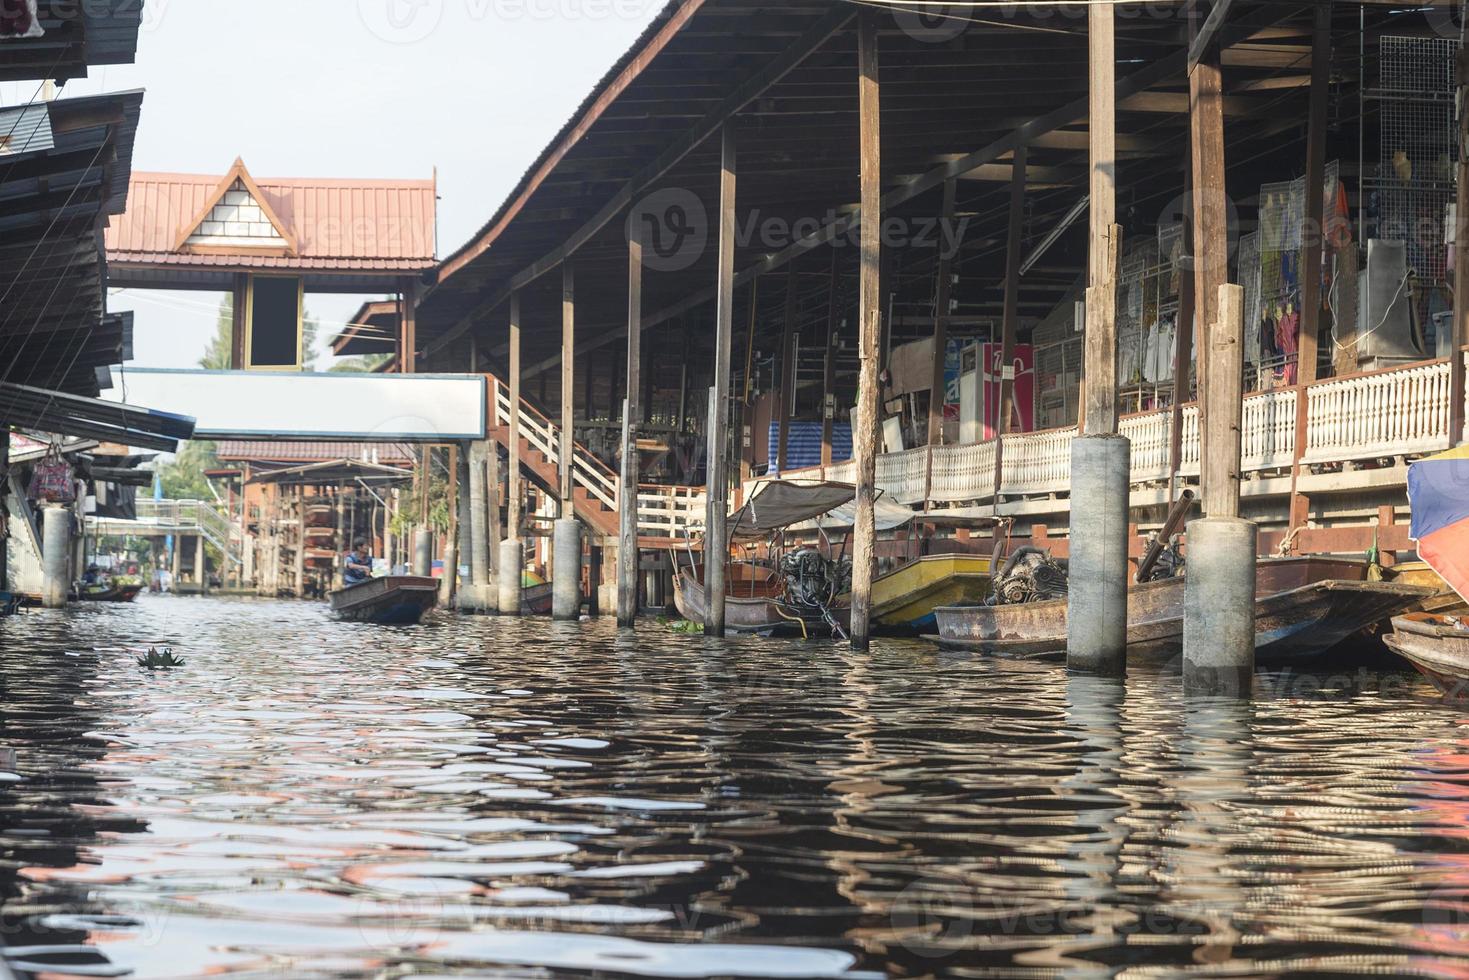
(512, 559)
(423, 552)
(55, 557)
(1096, 612)
(566, 573)
(1219, 607)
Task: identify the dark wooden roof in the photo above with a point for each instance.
(956, 98)
(76, 34)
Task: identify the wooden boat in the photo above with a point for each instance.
(1303, 607)
(109, 593)
(535, 600)
(905, 598)
(1444, 598)
(1435, 644)
(753, 602)
(394, 600)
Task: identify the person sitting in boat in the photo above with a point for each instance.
(358, 566)
(94, 576)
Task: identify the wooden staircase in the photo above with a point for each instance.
(594, 486)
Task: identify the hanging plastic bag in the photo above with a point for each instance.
(52, 479)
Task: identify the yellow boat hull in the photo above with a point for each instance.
(906, 597)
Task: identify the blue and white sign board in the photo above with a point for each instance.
(298, 405)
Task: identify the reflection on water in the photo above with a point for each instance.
(487, 797)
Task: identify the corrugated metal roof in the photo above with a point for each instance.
(25, 129)
(374, 225)
(298, 452)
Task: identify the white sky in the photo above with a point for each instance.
(353, 88)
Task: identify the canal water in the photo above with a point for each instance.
(502, 798)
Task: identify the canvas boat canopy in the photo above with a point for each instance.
(778, 505)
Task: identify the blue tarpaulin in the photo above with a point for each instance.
(804, 446)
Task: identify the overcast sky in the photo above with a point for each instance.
(353, 88)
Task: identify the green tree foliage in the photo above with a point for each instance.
(183, 477)
(217, 355)
(361, 365)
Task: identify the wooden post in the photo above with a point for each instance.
(1011, 312)
(1461, 260)
(869, 320)
(1183, 346)
(627, 492)
(1210, 214)
(789, 336)
(716, 540)
(491, 465)
(568, 382)
(1223, 405)
(4, 493)
(1311, 238)
(512, 473)
(942, 297)
(239, 300)
(829, 367)
(301, 542)
(408, 336)
(451, 548)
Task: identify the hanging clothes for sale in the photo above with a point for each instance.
(1287, 336)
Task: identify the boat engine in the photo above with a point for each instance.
(1030, 575)
(812, 580)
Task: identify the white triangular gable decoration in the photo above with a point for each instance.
(238, 220)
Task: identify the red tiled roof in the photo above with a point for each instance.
(387, 453)
(374, 225)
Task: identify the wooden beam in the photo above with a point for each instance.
(512, 474)
(568, 384)
(716, 540)
(1099, 385)
(943, 297)
(1223, 405)
(1203, 40)
(828, 366)
(627, 493)
(751, 88)
(239, 301)
(1461, 260)
(790, 336)
(1210, 214)
(1308, 345)
(869, 321)
(1011, 315)
(408, 327)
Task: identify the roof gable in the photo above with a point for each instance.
(238, 216)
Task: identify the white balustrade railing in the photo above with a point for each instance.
(903, 476)
(1036, 462)
(963, 473)
(1151, 436)
(1387, 413)
(587, 470)
(1267, 432)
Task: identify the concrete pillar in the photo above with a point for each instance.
(451, 573)
(566, 573)
(1096, 617)
(477, 596)
(423, 552)
(1219, 607)
(512, 559)
(55, 557)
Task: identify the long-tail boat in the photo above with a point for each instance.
(1304, 606)
(393, 600)
(1436, 644)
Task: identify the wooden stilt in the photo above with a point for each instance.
(627, 496)
(1210, 215)
(1011, 314)
(300, 542)
(716, 541)
(943, 294)
(512, 474)
(1311, 238)
(1223, 405)
(1461, 261)
(869, 319)
(788, 340)
(568, 382)
(408, 325)
(829, 367)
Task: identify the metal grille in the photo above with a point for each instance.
(1415, 167)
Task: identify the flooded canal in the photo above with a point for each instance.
(500, 798)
